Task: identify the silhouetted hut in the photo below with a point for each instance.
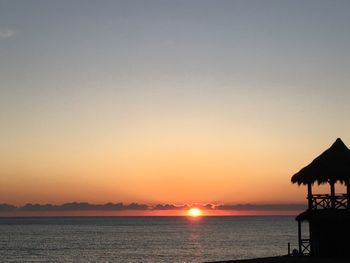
(328, 214)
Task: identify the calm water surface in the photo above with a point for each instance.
(144, 239)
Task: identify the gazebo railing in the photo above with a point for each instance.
(305, 247)
(324, 201)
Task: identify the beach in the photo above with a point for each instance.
(286, 259)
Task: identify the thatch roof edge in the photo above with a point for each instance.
(316, 171)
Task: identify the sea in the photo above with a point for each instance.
(145, 239)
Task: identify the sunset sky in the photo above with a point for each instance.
(171, 102)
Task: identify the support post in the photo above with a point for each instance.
(332, 194)
(309, 195)
(348, 194)
(299, 237)
(288, 249)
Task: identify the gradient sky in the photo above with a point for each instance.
(169, 101)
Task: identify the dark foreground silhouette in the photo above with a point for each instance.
(287, 259)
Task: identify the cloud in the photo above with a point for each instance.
(85, 206)
(7, 208)
(80, 206)
(262, 207)
(170, 207)
(182, 207)
(234, 207)
(6, 33)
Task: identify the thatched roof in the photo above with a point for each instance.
(331, 165)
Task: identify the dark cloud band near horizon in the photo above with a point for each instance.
(85, 206)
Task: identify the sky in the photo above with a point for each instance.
(170, 102)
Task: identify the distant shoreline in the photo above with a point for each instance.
(285, 259)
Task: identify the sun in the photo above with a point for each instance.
(194, 212)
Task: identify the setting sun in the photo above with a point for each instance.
(194, 212)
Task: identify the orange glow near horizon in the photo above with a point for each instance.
(191, 213)
(151, 174)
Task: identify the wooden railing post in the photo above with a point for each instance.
(348, 194)
(332, 194)
(299, 237)
(309, 195)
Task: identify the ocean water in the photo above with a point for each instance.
(144, 239)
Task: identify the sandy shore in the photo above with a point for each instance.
(286, 259)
